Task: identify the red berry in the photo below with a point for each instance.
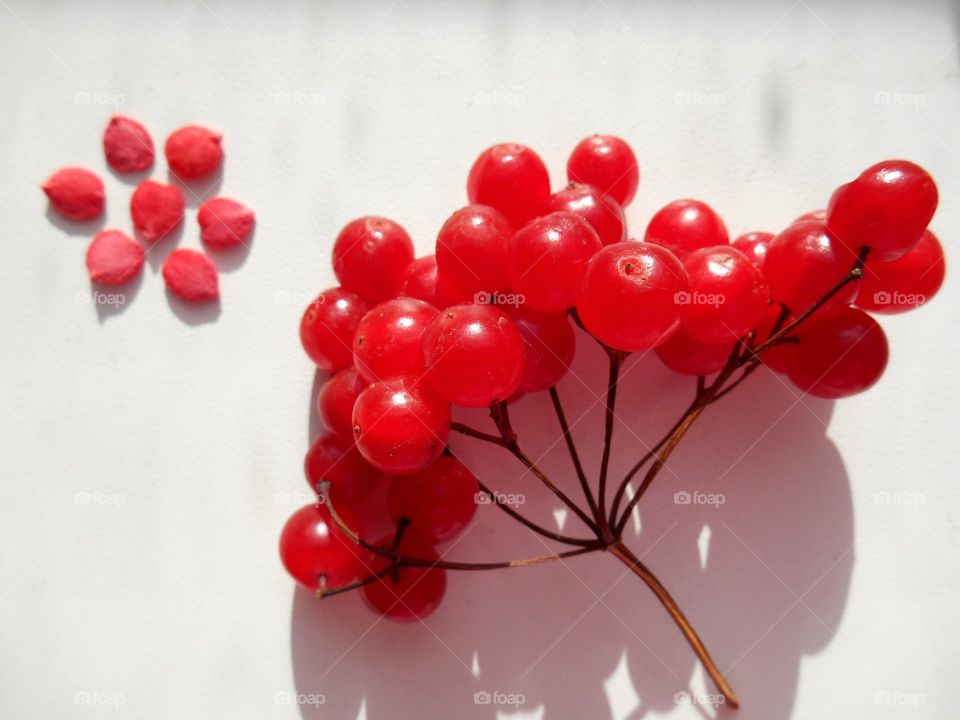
(422, 280)
(415, 592)
(777, 357)
(439, 501)
(193, 151)
(803, 263)
(75, 193)
(511, 178)
(387, 341)
(906, 283)
(548, 347)
(819, 215)
(629, 295)
(684, 354)
(370, 256)
(113, 258)
(607, 163)
(328, 326)
(686, 225)
(472, 249)
(336, 459)
(127, 145)
(156, 209)
(224, 223)
(754, 246)
(602, 212)
(400, 426)
(473, 354)
(191, 276)
(312, 546)
(728, 294)
(838, 355)
(335, 401)
(548, 257)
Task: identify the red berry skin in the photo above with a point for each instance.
(127, 145)
(754, 246)
(387, 341)
(370, 256)
(472, 249)
(728, 294)
(417, 591)
(473, 354)
(688, 356)
(905, 283)
(839, 355)
(156, 209)
(328, 326)
(335, 401)
(311, 546)
(607, 163)
(75, 193)
(439, 501)
(629, 296)
(548, 347)
(224, 223)
(191, 276)
(193, 152)
(803, 263)
(422, 280)
(511, 178)
(113, 258)
(777, 357)
(400, 426)
(686, 225)
(886, 208)
(548, 257)
(336, 459)
(602, 212)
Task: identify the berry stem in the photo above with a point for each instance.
(574, 455)
(616, 361)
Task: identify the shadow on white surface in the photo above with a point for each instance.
(111, 300)
(158, 251)
(199, 313)
(230, 259)
(195, 192)
(84, 228)
(762, 571)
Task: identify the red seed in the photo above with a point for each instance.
(224, 223)
(193, 152)
(75, 193)
(127, 145)
(156, 209)
(113, 258)
(190, 275)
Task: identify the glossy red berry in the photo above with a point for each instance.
(602, 212)
(473, 354)
(472, 249)
(629, 298)
(75, 193)
(906, 283)
(547, 260)
(439, 501)
(803, 263)
(686, 225)
(387, 341)
(336, 459)
(414, 592)
(335, 401)
(193, 152)
(313, 547)
(754, 246)
(886, 208)
(838, 355)
(400, 426)
(548, 347)
(684, 354)
(127, 145)
(328, 326)
(607, 163)
(114, 258)
(511, 178)
(370, 257)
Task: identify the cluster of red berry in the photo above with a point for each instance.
(488, 318)
(113, 257)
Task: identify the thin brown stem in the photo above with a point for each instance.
(494, 497)
(574, 455)
(616, 362)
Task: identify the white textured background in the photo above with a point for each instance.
(150, 456)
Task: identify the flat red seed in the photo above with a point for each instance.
(127, 145)
(193, 152)
(75, 193)
(191, 275)
(114, 258)
(156, 209)
(224, 223)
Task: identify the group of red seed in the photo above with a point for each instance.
(156, 209)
